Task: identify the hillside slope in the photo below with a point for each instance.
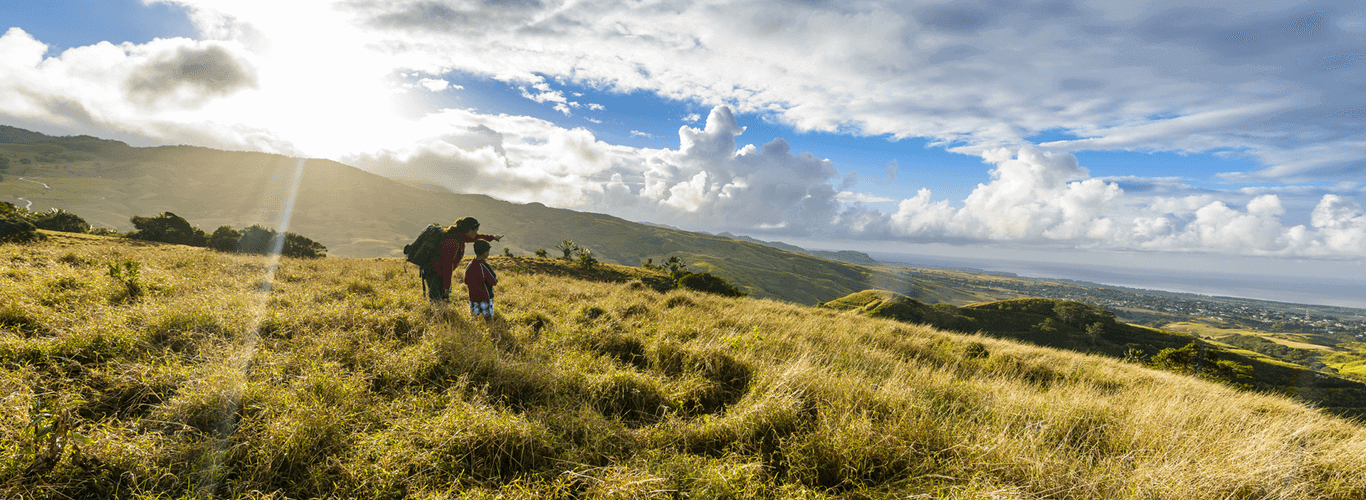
(358, 214)
(193, 373)
(1088, 329)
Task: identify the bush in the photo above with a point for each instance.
(224, 239)
(586, 259)
(706, 282)
(18, 230)
(60, 220)
(1200, 361)
(299, 246)
(567, 247)
(168, 228)
(541, 252)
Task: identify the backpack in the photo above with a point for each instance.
(423, 250)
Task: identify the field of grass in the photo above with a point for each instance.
(1349, 359)
(1295, 340)
(196, 374)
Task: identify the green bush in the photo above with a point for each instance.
(60, 220)
(706, 282)
(260, 240)
(18, 230)
(168, 228)
(224, 239)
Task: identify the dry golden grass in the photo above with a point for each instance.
(342, 382)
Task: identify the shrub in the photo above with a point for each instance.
(1200, 361)
(128, 275)
(168, 228)
(586, 259)
(224, 239)
(60, 220)
(18, 230)
(706, 282)
(541, 252)
(567, 247)
(299, 246)
(259, 240)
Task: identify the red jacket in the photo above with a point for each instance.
(480, 280)
(452, 251)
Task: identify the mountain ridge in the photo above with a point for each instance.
(355, 213)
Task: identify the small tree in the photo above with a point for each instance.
(568, 247)
(708, 283)
(224, 239)
(8, 209)
(677, 268)
(18, 230)
(57, 219)
(256, 239)
(260, 240)
(168, 228)
(299, 246)
(1202, 362)
(541, 252)
(1095, 331)
(586, 259)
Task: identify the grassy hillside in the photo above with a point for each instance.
(358, 214)
(201, 374)
(1088, 329)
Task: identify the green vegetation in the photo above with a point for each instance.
(15, 226)
(340, 380)
(1088, 329)
(1349, 359)
(171, 228)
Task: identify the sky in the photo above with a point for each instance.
(1217, 137)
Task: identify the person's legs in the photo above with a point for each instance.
(436, 290)
(482, 309)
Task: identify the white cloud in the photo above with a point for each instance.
(637, 133)
(1152, 75)
(974, 76)
(140, 93)
(435, 85)
(852, 197)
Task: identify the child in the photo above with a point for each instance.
(480, 279)
(452, 250)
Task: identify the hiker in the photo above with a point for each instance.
(452, 250)
(479, 280)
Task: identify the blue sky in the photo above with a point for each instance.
(1155, 127)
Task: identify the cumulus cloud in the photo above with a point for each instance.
(1274, 81)
(108, 90)
(1033, 195)
(188, 76)
(435, 84)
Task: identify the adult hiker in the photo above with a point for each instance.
(452, 250)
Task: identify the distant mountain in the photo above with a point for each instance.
(846, 256)
(774, 244)
(358, 214)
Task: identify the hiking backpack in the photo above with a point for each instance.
(423, 250)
